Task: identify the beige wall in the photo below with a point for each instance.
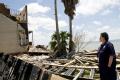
(9, 42)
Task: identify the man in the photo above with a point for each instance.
(107, 58)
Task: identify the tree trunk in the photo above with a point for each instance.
(57, 27)
(70, 39)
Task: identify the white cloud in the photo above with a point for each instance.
(105, 12)
(77, 28)
(89, 35)
(113, 32)
(37, 8)
(41, 38)
(44, 22)
(118, 16)
(104, 28)
(40, 1)
(97, 23)
(91, 7)
(93, 35)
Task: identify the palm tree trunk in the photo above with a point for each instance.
(70, 39)
(57, 27)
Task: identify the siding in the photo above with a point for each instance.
(9, 42)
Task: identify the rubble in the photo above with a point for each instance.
(27, 57)
(27, 67)
(38, 50)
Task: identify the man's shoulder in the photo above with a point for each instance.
(109, 44)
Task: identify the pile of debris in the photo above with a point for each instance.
(38, 50)
(31, 59)
(12, 68)
(83, 66)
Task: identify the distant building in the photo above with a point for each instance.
(13, 30)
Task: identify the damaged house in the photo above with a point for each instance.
(13, 30)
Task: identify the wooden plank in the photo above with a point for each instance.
(81, 71)
(78, 59)
(58, 60)
(69, 63)
(73, 66)
(85, 61)
(88, 58)
(92, 72)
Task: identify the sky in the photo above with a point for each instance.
(92, 17)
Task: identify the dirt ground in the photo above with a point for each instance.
(57, 77)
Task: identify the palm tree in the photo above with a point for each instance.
(53, 42)
(63, 43)
(57, 27)
(69, 10)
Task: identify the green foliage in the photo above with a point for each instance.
(64, 36)
(70, 7)
(53, 45)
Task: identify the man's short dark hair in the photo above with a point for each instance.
(105, 35)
